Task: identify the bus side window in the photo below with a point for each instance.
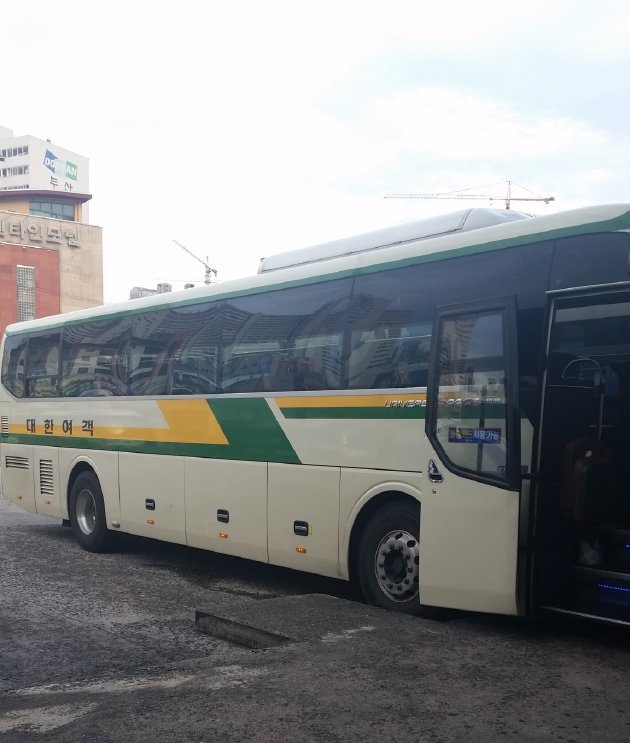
(293, 342)
(93, 358)
(14, 364)
(153, 344)
(390, 330)
(194, 358)
(42, 365)
(399, 358)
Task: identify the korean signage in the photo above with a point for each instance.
(39, 232)
(64, 173)
(461, 435)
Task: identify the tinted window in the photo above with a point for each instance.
(194, 357)
(57, 209)
(286, 340)
(471, 421)
(150, 352)
(14, 364)
(42, 365)
(390, 330)
(94, 358)
(175, 351)
(403, 301)
(590, 259)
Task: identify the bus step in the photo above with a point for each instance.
(606, 618)
(603, 589)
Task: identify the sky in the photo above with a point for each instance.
(245, 128)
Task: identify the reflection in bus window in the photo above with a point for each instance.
(94, 358)
(14, 365)
(42, 365)
(472, 410)
(293, 342)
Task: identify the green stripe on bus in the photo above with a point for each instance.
(252, 429)
(349, 413)
(204, 451)
(497, 412)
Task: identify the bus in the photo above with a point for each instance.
(437, 412)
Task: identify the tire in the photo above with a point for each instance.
(388, 561)
(87, 513)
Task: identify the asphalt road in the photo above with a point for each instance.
(105, 648)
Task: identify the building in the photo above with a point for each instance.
(51, 258)
(142, 291)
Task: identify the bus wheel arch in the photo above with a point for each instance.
(86, 509)
(384, 554)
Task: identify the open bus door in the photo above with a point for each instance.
(469, 520)
(582, 537)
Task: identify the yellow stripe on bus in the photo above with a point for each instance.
(187, 422)
(191, 422)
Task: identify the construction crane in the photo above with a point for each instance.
(508, 198)
(210, 272)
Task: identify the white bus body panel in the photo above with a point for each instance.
(468, 545)
(356, 443)
(18, 483)
(311, 495)
(237, 487)
(161, 479)
(458, 570)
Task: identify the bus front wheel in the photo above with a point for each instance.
(389, 560)
(87, 513)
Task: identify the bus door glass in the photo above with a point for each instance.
(469, 510)
(472, 394)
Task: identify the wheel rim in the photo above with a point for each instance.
(396, 565)
(85, 511)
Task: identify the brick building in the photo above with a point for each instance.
(51, 258)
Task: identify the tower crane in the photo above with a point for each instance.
(458, 195)
(210, 272)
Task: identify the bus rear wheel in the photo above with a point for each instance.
(87, 513)
(388, 561)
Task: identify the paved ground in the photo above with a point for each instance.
(105, 648)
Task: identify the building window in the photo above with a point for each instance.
(16, 170)
(14, 151)
(59, 209)
(25, 292)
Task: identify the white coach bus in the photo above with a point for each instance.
(436, 411)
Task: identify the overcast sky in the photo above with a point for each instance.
(242, 129)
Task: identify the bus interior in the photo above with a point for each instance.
(583, 501)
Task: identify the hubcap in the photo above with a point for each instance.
(85, 511)
(396, 565)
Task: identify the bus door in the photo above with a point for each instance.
(582, 558)
(469, 517)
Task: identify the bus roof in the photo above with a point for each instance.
(443, 224)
